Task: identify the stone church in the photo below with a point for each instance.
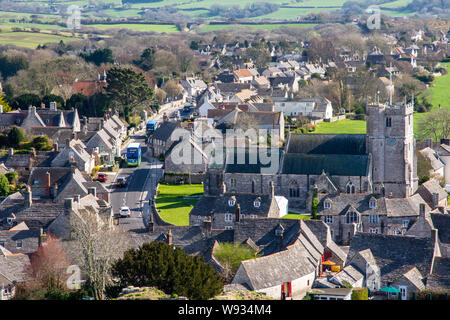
(382, 162)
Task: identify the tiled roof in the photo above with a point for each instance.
(342, 144)
(29, 238)
(13, 268)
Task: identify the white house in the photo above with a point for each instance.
(320, 108)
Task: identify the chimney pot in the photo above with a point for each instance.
(28, 197)
(170, 237)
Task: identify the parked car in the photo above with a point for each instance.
(102, 177)
(125, 212)
(121, 182)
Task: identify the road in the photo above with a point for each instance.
(141, 183)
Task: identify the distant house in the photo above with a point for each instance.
(434, 195)
(13, 271)
(192, 86)
(437, 165)
(76, 151)
(186, 149)
(317, 108)
(243, 76)
(444, 155)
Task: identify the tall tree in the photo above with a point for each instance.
(127, 90)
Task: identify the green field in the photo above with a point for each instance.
(343, 126)
(441, 90)
(159, 28)
(174, 202)
(31, 40)
(215, 27)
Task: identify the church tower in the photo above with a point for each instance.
(390, 140)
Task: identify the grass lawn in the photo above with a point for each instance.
(441, 90)
(296, 216)
(342, 126)
(174, 202)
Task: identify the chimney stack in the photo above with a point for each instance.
(47, 184)
(434, 235)
(53, 106)
(170, 237)
(93, 191)
(28, 197)
(42, 105)
(435, 200)
(238, 213)
(11, 152)
(422, 210)
(207, 225)
(272, 190)
(224, 188)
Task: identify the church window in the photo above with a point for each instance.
(372, 204)
(328, 219)
(231, 202)
(228, 217)
(257, 203)
(327, 204)
(233, 182)
(373, 218)
(350, 187)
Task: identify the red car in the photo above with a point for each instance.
(102, 177)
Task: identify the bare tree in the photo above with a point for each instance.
(97, 244)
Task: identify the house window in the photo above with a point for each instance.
(19, 244)
(352, 217)
(228, 217)
(328, 219)
(388, 122)
(257, 204)
(372, 204)
(373, 230)
(253, 216)
(327, 204)
(373, 218)
(405, 223)
(233, 182)
(228, 227)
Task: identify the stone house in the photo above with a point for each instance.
(19, 238)
(75, 151)
(12, 272)
(189, 150)
(437, 165)
(347, 214)
(226, 209)
(433, 194)
(106, 147)
(399, 261)
(163, 138)
(192, 86)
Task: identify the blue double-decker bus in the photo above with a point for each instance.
(134, 154)
(151, 126)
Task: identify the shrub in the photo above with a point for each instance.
(4, 185)
(12, 177)
(169, 269)
(360, 294)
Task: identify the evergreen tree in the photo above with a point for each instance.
(169, 269)
(127, 90)
(15, 136)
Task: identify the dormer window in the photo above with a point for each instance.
(327, 204)
(351, 217)
(350, 187)
(257, 203)
(19, 244)
(372, 204)
(231, 202)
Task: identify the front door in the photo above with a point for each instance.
(286, 290)
(403, 293)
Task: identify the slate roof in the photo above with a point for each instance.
(29, 238)
(441, 222)
(336, 144)
(165, 130)
(405, 207)
(436, 164)
(252, 162)
(335, 164)
(440, 277)
(427, 189)
(394, 255)
(209, 205)
(193, 240)
(39, 215)
(349, 274)
(13, 268)
(273, 270)
(231, 88)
